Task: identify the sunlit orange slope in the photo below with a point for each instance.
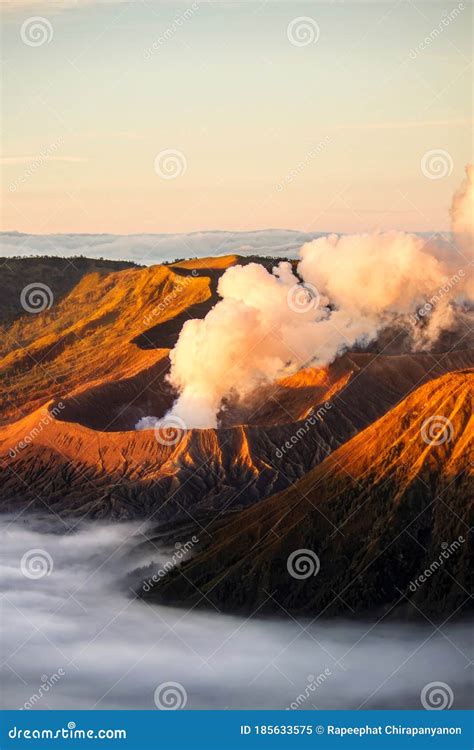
(376, 512)
(87, 337)
(98, 359)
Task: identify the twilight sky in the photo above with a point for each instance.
(333, 123)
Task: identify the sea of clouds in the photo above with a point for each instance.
(148, 249)
(76, 638)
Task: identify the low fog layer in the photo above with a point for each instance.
(346, 290)
(148, 249)
(111, 651)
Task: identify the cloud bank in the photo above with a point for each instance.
(148, 249)
(111, 652)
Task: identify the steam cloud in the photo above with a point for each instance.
(462, 210)
(346, 290)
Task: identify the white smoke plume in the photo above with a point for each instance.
(462, 218)
(347, 289)
(462, 209)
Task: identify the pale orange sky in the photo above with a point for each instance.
(328, 135)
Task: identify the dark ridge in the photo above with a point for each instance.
(61, 275)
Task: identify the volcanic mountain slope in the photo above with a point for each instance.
(107, 332)
(47, 462)
(96, 362)
(378, 512)
(87, 336)
(61, 275)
